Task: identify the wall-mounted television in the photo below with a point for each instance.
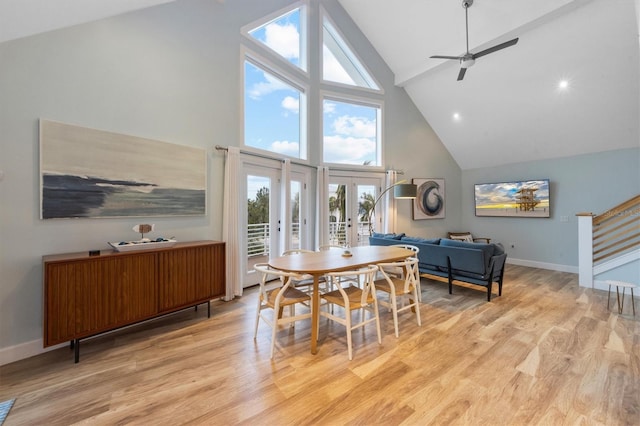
(525, 198)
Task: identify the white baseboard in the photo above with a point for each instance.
(24, 350)
(543, 265)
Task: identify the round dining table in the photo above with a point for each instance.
(320, 263)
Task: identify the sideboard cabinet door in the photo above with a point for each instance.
(189, 275)
(86, 297)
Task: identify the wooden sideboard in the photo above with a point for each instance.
(87, 295)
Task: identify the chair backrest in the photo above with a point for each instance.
(329, 247)
(296, 251)
(409, 266)
(366, 276)
(413, 248)
(282, 279)
(461, 236)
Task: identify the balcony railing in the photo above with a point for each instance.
(258, 236)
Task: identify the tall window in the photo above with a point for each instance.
(339, 63)
(285, 36)
(351, 133)
(273, 112)
(276, 84)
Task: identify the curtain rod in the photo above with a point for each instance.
(269, 157)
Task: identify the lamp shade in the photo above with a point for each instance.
(405, 190)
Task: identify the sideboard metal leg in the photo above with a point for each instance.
(208, 308)
(76, 345)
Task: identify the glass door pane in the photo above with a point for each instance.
(350, 201)
(295, 235)
(261, 219)
(366, 199)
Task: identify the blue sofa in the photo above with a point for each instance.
(474, 263)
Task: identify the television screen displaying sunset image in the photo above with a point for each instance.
(529, 198)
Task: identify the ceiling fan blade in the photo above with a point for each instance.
(445, 57)
(495, 48)
(461, 73)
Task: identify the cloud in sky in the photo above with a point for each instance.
(269, 85)
(328, 107)
(286, 147)
(291, 104)
(284, 39)
(348, 149)
(357, 127)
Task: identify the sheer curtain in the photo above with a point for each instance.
(389, 219)
(285, 203)
(231, 223)
(322, 207)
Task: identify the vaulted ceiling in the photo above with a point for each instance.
(509, 107)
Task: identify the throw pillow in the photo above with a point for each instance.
(464, 237)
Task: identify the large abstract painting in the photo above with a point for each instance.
(93, 173)
(429, 202)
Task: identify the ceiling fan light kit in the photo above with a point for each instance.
(468, 59)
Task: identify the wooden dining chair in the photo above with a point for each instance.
(276, 293)
(351, 298)
(415, 250)
(400, 288)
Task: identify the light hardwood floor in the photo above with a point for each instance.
(546, 352)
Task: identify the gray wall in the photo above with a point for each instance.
(170, 73)
(585, 183)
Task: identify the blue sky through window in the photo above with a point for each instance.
(275, 103)
(283, 36)
(272, 113)
(350, 133)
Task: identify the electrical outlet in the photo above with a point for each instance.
(513, 245)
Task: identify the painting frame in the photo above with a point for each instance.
(527, 198)
(430, 201)
(90, 173)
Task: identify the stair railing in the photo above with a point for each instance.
(604, 236)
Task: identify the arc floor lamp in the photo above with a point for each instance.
(401, 190)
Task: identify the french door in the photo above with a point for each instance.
(275, 215)
(261, 215)
(350, 202)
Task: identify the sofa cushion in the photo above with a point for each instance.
(418, 240)
(498, 249)
(390, 236)
(488, 249)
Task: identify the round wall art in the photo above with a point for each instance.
(429, 202)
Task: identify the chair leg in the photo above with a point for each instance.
(620, 306)
(417, 308)
(377, 316)
(255, 331)
(292, 312)
(394, 309)
(348, 326)
(274, 329)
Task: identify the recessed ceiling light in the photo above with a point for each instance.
(456, 116)
(563, 84)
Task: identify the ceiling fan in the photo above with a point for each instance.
(468, 59)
